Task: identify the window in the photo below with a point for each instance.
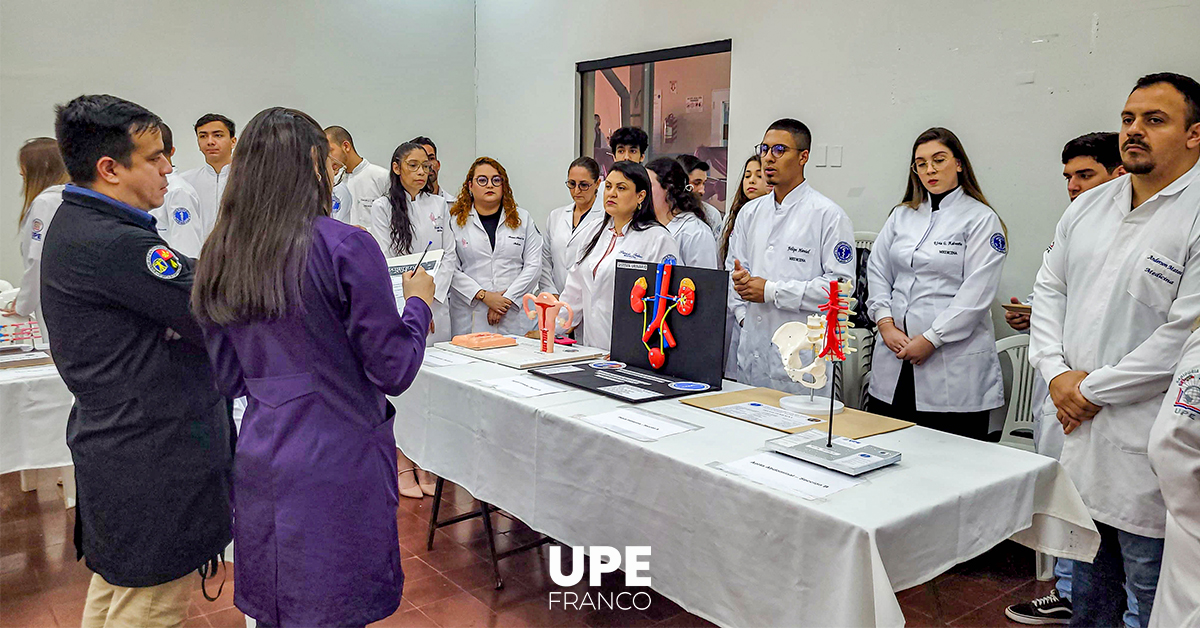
(679, 96)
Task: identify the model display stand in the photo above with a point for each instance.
(23, 334)
(526, 353)
(545, 312)
(482, 340)
(684, 302)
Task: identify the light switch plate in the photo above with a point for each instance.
(835, 156)
(816, 155)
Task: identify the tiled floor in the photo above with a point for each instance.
(41, 584)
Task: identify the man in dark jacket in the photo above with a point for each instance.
(149, 434)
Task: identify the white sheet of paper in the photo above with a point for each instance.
(629, 391)
(638, 425)
(524, 386)
(437, 357)
(397, 266)
(560, 369)
(21, 357)
(789, 475)
(769, 416)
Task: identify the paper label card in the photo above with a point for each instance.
(639, 425)
(524, 386)
(769, 416)
(789, 475)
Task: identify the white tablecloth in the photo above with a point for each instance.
(729, 550)
(34, 406)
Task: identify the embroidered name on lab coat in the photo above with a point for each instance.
(945, 246)
(801, 251)
(1162, 269)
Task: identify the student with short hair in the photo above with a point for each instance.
(216, 135)
(629, 143)
(696, 170)
(365, 180)
(434, 185)
(179, 219)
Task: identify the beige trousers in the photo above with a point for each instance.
(160, 606)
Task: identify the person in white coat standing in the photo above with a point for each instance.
(932, 275)
(1175, 456)
(499, 253)
(569, 226)
(785, 250)
(365, 180)
(679, 211)
(179, 220)
(433, 186)
(44, 176)
(216, 136)
(630, 231)
(1116, 296)
(753, 185)
(696, 172)
(408, 218)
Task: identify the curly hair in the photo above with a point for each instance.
(462, 206)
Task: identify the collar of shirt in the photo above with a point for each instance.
(1123, 194)
(120, 209)
(208, 168)
(362, 165)
(793, 198)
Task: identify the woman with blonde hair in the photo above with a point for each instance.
(499, 254)
(44, 176)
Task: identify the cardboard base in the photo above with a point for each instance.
(850, 423)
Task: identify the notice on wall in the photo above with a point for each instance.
(694, 104)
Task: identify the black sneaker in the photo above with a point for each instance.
(1042, 611)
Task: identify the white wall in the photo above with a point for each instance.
(384, 69)
(868, 75)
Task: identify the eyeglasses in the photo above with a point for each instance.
(582, 186)
(482, 181)
(777, 150)
(417, 166)
(938, 162)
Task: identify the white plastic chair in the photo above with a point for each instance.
(864, 239)
(1018, 393)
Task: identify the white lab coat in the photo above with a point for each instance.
(733, 331)
(713, 218)
(209, 186)
(936, 274)
(1116, 294)
(179, 220)
(697, 246)
(428, 214)
(564, 241)
(33, 236)
(514, 268)
(1175, 456)
(366, 183)
(591, 284)
(798, 246)
(343, 202)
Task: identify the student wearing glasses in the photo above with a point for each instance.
(406, 219)
(785, 249)
(570, 224)
(499, 254)
(933, 274)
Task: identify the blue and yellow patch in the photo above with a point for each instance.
(163, 263)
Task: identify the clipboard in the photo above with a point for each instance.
(850, 423)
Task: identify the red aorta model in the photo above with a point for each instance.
(837, 312)
(547, 315)
(662, 305)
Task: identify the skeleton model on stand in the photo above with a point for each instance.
(825, 336)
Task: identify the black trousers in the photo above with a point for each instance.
(904, 407)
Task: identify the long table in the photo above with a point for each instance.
(729, 550)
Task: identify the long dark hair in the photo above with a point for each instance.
(252, 265)
(643, 215)
(462, 206)
(402, 229)
(735, 206)
(915, 193)
(674, 182)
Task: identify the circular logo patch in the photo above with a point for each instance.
(162, 262)
(181, 215)
(38, 224)
(692, 386)
(607, 365)
(843, 252)
(670, 259)
(999, 243)
(337, 204)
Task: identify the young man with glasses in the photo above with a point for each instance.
(572, 224)
(365, 180)
(784, 251)
(433, 187)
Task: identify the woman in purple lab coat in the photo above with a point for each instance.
(299, 317)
